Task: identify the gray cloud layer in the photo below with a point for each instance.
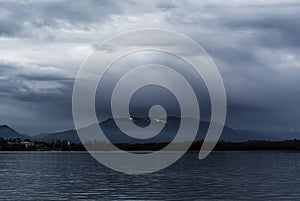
(255, 45)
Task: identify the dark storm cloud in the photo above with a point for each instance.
(8, 28)
(275, 27)
(257, 50)
(34, 99)
(35, 88)
(255, 45)
(19, 16)
(166, 5)
(44, 77)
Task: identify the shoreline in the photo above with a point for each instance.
(254, 145)
(149, 151)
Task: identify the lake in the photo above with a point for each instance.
(221, 176)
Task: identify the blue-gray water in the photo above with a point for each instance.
(221, 176)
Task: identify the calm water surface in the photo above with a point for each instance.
(221, 176)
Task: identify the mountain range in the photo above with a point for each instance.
(6, 132)
(166, 135)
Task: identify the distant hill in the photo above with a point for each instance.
(168, 133)
(235, 135)
(8, 133)
(41, 135)
(280, 134)
(170, 130)
(70, 135)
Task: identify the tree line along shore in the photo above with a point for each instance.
(64, 145)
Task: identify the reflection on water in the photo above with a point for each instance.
(221, 176)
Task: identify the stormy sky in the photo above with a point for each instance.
(255, 45)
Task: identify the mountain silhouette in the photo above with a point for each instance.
(69, 135)
(115, 135)
(7, 132)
